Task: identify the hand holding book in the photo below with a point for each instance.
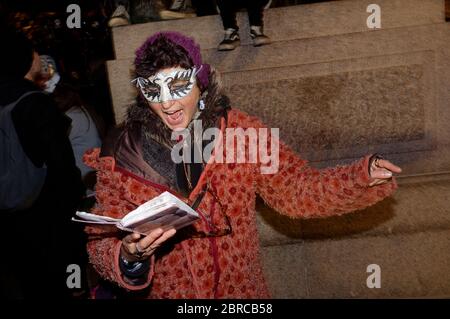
(152, 224)
(165, 211)
(135, 247)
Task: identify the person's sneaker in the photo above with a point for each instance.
(177, 5)
(230, 41)
(171, 15)
(258, 36)
(119, 17)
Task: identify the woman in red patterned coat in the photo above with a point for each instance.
(217, 257)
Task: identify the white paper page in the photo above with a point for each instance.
(97, 219)
(165, 202)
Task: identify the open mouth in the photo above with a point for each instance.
(175, 117)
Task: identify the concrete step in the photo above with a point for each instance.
(289, 23)
(415, 207)
(412, 266)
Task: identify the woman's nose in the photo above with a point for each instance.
(167, 104)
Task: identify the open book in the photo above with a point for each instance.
(165, 211)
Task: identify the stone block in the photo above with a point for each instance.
(414, 208)
(412, 266)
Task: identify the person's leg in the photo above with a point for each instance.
(154, 10)
(255, 10)
(124, 3)
(228, 9)
(204, 7)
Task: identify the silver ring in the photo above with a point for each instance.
(377, 164)
(139, 251)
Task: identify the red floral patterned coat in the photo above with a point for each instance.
(226, 266)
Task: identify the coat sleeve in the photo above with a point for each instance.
(104, 242)
(298, 190)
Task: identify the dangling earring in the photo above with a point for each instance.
(201, 105)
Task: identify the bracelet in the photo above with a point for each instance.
(133, 269)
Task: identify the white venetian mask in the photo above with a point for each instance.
(163, 87)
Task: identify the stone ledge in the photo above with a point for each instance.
(412, 266)
(346, 47)
(289, 23)
(415, 207)
(347, 52)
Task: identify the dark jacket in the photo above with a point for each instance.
(40, 242)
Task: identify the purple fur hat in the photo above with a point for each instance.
(188, 44)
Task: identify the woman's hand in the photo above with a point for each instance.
(381, 170)
(136, 248)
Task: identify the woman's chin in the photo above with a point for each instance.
(178, 128)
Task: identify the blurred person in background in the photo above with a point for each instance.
(39, 241)
(86, 129)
